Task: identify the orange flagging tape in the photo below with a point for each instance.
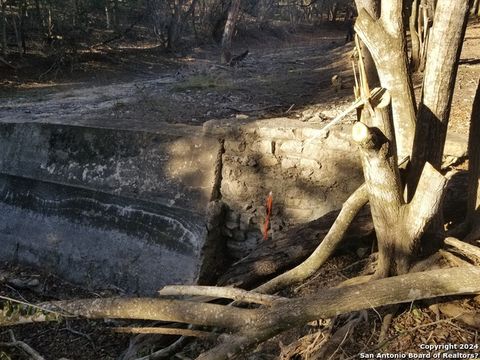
(268, 205)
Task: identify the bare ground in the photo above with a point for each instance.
(285, 79)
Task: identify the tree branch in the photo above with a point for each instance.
(427, 201)
(238, 295)
(165, 331)
(332, 302)
(140, 308)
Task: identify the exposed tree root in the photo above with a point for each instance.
(306, 269)
(291, 248)
(453, 260)
(470, 251)
(254, 326)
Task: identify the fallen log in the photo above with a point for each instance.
(291, 248)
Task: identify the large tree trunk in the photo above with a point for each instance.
(385, 39)
(473, 205)
(445, 45)
(446, 39)
(229, 30)
(373, 8)
(40, 21)
(398, 226)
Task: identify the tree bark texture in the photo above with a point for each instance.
(373, 8)
(445, 45)
(385, 39)
(398, 226)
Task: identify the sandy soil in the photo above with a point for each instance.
(269, 82)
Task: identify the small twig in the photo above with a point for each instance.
(79, 333)
(166, 352)
(376, 94)
(290, 108)
(165, 331)
(34, 355)
(238, 295)
(32, 306)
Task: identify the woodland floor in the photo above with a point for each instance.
(141, 89)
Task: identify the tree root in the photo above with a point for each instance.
(254, 326)
(470, 251)
(306, 269)
(453, 259)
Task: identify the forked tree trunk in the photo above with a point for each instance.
(385, 39)
(229, 30)
(399, 226)
(446, 39)
(473, 205)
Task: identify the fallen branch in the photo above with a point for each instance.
(165, 331)
(238, 295)
(332, 302)
(257, 325)
(467, 249)
(452, 259)
(138, 309)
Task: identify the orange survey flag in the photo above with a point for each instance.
(268, 205)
